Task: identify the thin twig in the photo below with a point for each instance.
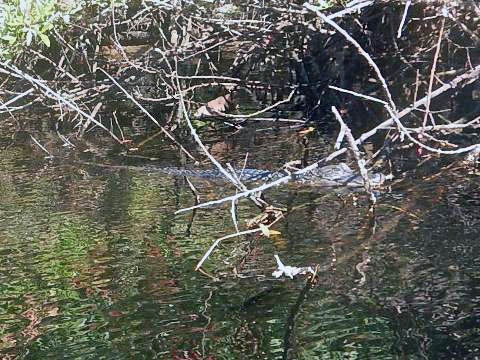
(404, 17)
(356, 153)
(148, 114)
(54, 95)
(216, 242)
(432, 74)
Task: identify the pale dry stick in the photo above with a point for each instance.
(18, 97)
(436, 111)
(40, 146)
(432, 74)
(246, 232)
(215, 244)
(207, 313)
(233, 213)
(63, 41)
(114, 115)
(282, 10)
(233, 81)
(474, 73)
(403, 130)
(233, 209)
(54, 95)
(214, 77)
(84, 127)
(351, 7)
(165, 59)
(295, 121)
(233, 21)
(142, 13)
(432, 138)
(357, 94)
(148, 114)
(417, 85)
(404, 17)
(10, 110)
(242, 187)
(452, 126)
(235, 175)
(249, 192)
(356, 153)
(361, 52)
(340, 136)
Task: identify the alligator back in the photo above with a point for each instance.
(340, 175)
(326, 176)
(247, 175)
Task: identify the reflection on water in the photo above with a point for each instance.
(97, 266)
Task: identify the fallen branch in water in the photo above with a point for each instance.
(356, 152)
(218, 241)
(474, 73)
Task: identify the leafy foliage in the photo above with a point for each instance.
(25, 22)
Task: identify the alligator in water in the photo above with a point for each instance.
(340, 175)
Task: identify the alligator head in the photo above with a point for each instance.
(340, 175)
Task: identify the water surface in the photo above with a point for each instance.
(95, 264)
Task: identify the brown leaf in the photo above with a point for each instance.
(115, 313)
(306, 131)
(215, 107)
(52, 311)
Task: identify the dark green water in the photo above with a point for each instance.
(95, 264)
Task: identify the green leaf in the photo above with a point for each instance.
(265, 230)
(9, 38)
(45, 39)
(12, 40)
(199, 123)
